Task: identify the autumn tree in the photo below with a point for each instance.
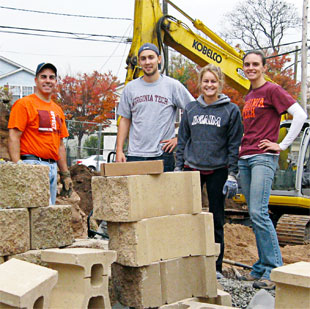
(87, 98)
(261, 23)
(184, 71)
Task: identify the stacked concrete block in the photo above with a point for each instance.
(51, 226)
(25, 285)
(292, 285)
(149, 240)
(132, 198)
(83, 277)
(24, 186)
(14, 231)
(165, 244)
(165, 282)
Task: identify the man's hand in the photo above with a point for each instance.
(268, 145)
(169, 144)
(120, 156)
(67, 184)
(230, 187)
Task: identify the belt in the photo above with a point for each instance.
(32, 157)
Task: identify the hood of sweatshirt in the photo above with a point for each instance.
(222, 99)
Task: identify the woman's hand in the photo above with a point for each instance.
(268, 145)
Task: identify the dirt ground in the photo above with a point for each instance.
(240, 246)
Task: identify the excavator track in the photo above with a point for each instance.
(293, 230)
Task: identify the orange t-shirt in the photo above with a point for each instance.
(43, 126)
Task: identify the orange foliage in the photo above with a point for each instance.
(87, 97)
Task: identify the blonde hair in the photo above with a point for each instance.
(216, 71)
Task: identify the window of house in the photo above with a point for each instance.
(16, 91)
(27, 91)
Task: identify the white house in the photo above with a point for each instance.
(19, 78)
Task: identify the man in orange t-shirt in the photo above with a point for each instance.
(37, 128)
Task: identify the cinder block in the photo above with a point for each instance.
(83, 277)
(51, 226)
(31, 256)
(132, 198)
(161, 238)
(24, 186)
(25, 285)
(14, 231)
(165, 282)
(292, 285)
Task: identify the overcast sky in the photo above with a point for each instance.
(77, 56)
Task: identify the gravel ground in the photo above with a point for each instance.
(241, 291)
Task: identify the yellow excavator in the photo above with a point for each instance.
(291, 188)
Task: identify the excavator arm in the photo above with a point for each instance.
(150, 25)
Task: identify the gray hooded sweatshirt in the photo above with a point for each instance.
(210, 135)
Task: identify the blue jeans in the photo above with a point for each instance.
(256, 175)
(52, 176)
(166, 156)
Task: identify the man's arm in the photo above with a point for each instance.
(122, 133)
(62, 162)
(14, 144)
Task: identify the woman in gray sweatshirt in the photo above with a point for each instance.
(208, 141)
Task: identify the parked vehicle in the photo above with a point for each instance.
(93, 162)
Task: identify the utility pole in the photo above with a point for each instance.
(304, 50)
(165, 12)
(295, 63)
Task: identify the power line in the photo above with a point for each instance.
(64, 14)
(63, 37)
(65, 32)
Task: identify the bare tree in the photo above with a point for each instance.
(261, 23)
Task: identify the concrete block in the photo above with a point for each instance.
(25, 285)
(165, 282)
(24, 186)
(132, 168)
(14, 231)
(31, 256)
(161, 238)
(297, 274)
(292, 285)
(84, 257)
(83, 277)
(51, 226)
(132, 198)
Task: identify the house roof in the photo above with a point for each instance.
(19, 68)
